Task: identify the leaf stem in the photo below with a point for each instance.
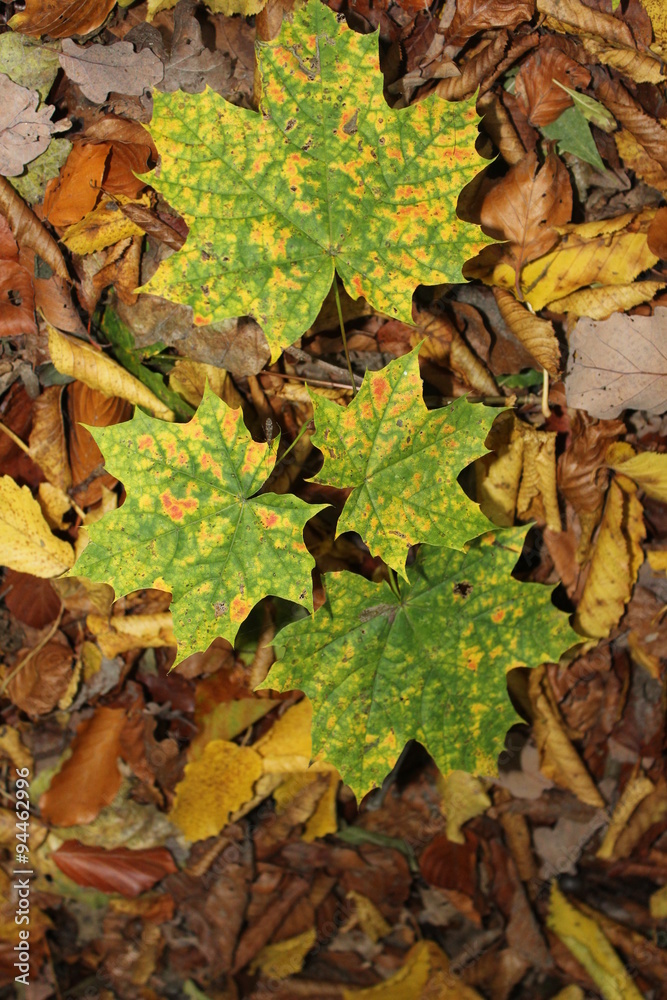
(296, 440)
(342, 333)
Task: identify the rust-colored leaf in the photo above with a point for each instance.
(116, 870)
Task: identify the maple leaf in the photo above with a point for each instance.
(192, 525)
(429, 665)
(402, 462)
(326, 178)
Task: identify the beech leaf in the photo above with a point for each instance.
(429, 665)
(402, 462)
(193, 525)
(325, 179)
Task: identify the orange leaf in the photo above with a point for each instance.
(117, 870)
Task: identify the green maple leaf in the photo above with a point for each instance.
(402, 462)
(325, 178)
(429, 665)
(192, 525)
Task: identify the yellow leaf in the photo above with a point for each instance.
(657, 11)
(226, 7)
(537, 494)
(603, 252)
(287, 746)
(636, 158)
(54, 503)
(617, 556)
(325, 817)
(425, 975)
(498, 474)
(657, 560)
(104, 226)
(634, 792)
(559, 761)
(97, 371)
(188, 379)
(658, 904)
(570, 993)
(26, 542)
(368, 917)
(11, 746)
(591, 948)
(122, 632)
(214, 786)
(537, 335)
(284, 958)
(463, 798)
(309, 794)
(648, 469)
(600, 303)
(642, 67)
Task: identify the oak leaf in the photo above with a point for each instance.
(430, 664)
(25, 129)
(401, 462)
(193, 524)
(325, 179)
(100, 69)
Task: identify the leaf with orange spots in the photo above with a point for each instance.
(402, 462)
(429, 665)
(193, 524)
(325, 179)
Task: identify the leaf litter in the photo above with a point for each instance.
(159, 864)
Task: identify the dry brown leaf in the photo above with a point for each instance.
(424, 975)
(578, 18)
(92, 367)
(90, 779)
(47, 438)
(60, 18)
(25, 129)
(472, 16)
(28, 231)
(39, 685)
(120, 633)
(648, 131)
(30, 599)
(524, 207)
(100, 69)
(17, 300)
(540, 97)
(619, 363)
(615, 563)
(191, 65)
(536, 334)
(477, 69)
(642, 67)
(636, 158)
(88, 406)
(76, 190)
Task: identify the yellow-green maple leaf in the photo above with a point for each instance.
(325, 178)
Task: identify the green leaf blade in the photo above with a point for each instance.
(326, 177)
(192, 525)
(402, 462)
(431, 666)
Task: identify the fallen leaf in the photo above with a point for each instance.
(26, 541)
(586, 941)
(647, 469)
(100, 69)
(214, 786)
(17, 300)
(472, 16)
(524, 207)
(383, 445)
(120, 633)
(76, 190)
(191, 66)
(28, 231)
(32, 600)
(537, 335)
(601, 303)
(424, 974)
(281, 959)
(94, 408)
(463, 798)
(47, 438)
(617, 364)
(580, 19)
(60, 20)
(89, 779)
(634, 792)
(25, 130)
(540, 97)
(615, 563)
(39, 685)
(102, 227)
(28, 63)
(117, 870)
(97, 371)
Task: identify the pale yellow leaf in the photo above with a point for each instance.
(617, 556)
(600, 303)
(54, 503)
(591, 948)
(648, 469)
(120, 633)
(657, 11)
(634, 792)
(642, 67)
(284, 958)
(368, 917)
(227, 7)
(287, 746)
(104, 226)
(12, 747)
(92, 367)
(214, 787)
(463, 798)
(635, 157)
(498, 474)
(26, 542)
(425, 975)
(188, 378)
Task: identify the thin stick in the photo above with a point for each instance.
(33, 652)
(296, 440)
(17, 440)
(342, 333)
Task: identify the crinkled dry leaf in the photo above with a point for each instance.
(540, 97)
(28, 231)
(191, 66)
(60, 20)
(39, 685)
(537, 335)
(617, 364)
(472, 16)
(26, 542)
(601, 303)
(99, 69)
